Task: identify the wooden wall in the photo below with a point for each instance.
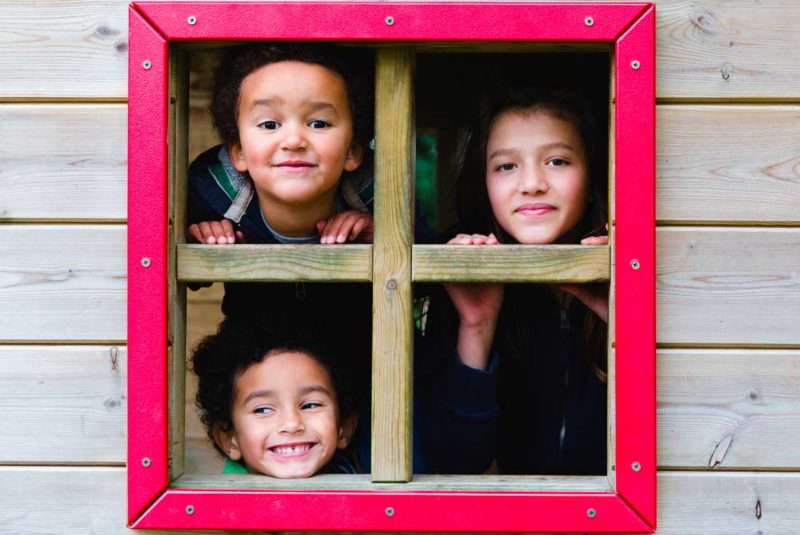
(728, 278)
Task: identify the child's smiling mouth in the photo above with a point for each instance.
(298, 165)
(292, 450)
(535, 209)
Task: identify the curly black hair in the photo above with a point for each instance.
(354, 65)
(238, 344)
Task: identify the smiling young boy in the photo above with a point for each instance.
(273, 401)
(295, 120)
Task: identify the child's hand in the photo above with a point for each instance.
(219, 232)
(478, 306)
(594, 296)
(352, 225)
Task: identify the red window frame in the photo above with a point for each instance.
(152, 504)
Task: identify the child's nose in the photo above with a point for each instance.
(291, 422)
(293, 138)
(533, 180)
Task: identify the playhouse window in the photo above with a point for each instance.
(425, 75)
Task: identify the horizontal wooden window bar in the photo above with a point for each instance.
(274, 263)
(510, 263)
(426, 482)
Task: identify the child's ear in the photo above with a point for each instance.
(237, 157)
(355, 155)
(346, 431)
(227, 441)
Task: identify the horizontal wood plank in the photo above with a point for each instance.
(419, 483)
(63, 404)
(63, 283)
(732, 164)
(729, 409)
(63, 162)
(510, 263)
(77, 501)
(56, 49)
(728, 286)
(198, 263)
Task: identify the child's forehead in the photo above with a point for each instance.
(285, 369)
(282, 73)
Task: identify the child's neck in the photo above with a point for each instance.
(296, 220)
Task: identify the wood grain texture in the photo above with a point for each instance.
(729, 409)
(732, 164)
(62, 283)
(63, 404)
(419, 483)
(63, 162)
(718, 49)
(57, 49)
(392, 294)
(251, 262)
(77, 501)
(723, 286)
(510, 263)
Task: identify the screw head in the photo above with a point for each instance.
(146, 462)
(591, 513)
(635, 65)
(390, 511)
(190, 509)
(589, 21)
(389, 20)
(192, 20)
(391, 284)
(635, 265)
(146, 64)
(636, 466)
(145, 262)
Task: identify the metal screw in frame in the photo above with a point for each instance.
(190, 509)
(146, 462)
(146, 64)
(391, 284)
(635, 65)
(192, 20)
(145, 262)
(389, 20)
(636, 466)
(635, 265)
(591, 513)
(390, 511)
(589, 21)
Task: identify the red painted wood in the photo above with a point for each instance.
(631, 26)
(147, 286)
(635, 289)
(411, 21)
(411, 511)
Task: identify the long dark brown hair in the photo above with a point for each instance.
(475, 211)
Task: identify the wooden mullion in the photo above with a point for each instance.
(274, 263)
(178, 132)
(511, 263)
(392, 340)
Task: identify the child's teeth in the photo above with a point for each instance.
(292, 449)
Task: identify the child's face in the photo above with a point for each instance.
(285, 417)
(536, 176)
(295, 132)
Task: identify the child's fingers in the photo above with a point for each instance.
(460, 239)
(206, 234)
(359, 225)
(240, 237)
(345, 229)
(194, 233)
(334, 228)
(595, 240)
(324, 233)
(218, 232)
(227, 229)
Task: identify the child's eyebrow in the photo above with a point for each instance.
(310, 389)
(311, 106)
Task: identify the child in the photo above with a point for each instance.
(532, 176)
(272, 400)
(294, 120)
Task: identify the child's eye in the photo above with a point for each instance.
(263, 410)
(557, 162)
(269, 125)
(505, 167)
(318, 123)
(311, 405)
